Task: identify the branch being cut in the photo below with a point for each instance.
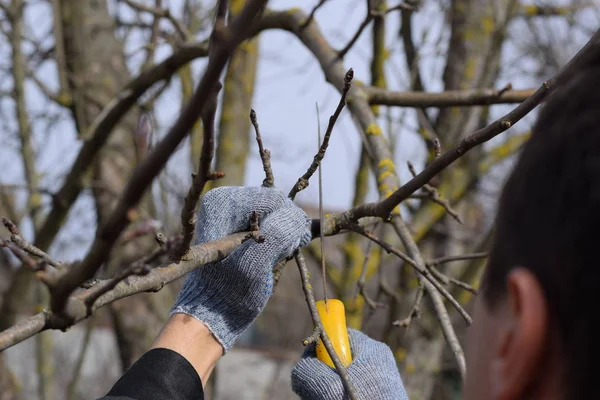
(302, 182)
(310, 300)
(76, 308)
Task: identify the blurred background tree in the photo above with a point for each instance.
(437, 70)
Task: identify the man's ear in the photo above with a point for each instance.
(522, 339)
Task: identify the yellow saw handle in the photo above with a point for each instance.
(333, 318)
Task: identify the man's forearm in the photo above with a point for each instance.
(193, 340)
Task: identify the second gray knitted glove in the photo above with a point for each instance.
(228, 295)
(373, 372)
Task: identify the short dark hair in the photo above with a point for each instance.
(548, 221)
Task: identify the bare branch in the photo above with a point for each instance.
(162, 13)
(450, 98)
(434, 194)
(415, 311)
(204, 174)
(27, 261)
(435, 292)
(144, 174)
(265, 155)
(461, 257)
(385, 207)
(336, 223)
(254, 233)
(448, 279)
(302, 182)
(368, 18)
(313, 12)
(18, 240)
(421, 269)
(371, 14)
(95, 139)
(76, 309)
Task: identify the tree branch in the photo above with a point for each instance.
(204, 174)
(144, 174)
(434, 195)
(94, 140)
(302, 182)
(77, 310)
(450, 98)
(24, 245)
(265, 155)
(162, 13)
(383, 208)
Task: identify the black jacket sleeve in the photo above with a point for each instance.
(160, 374)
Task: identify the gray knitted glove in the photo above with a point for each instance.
(373, 372)
(228, 295)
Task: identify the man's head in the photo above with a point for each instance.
(533, 333)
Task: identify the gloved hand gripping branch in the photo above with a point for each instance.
(228, 295)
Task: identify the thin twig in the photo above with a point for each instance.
(435, 292)
(76, 310)
(254, 229)
(415, 311)
(461, 257)
(363, 273)
(434, 194)
(384, 207)
(422, 270)
(137, 268)
(302, 182)
(27, 261)
(368, 18)
(361, 283)
(18, 240)
(312, 13)
(204, 174)
(310, 300)
(144, 174)
(103, 127)
(265, 155)
(445, 279)
(162, 13)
